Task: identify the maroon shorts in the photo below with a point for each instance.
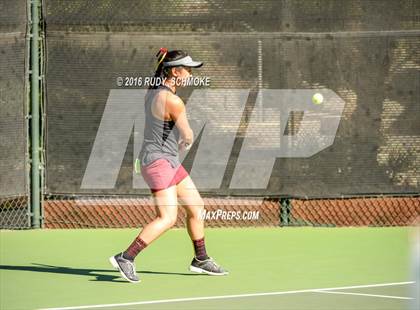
(159, 174)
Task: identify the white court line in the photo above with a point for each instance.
(227, 296)
(360, 294)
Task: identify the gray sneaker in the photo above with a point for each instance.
(208, 266)
(126, 267)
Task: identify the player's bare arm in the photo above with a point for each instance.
(177, 112)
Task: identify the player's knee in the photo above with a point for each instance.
(196, 211)
(169, 220)
(172, 221)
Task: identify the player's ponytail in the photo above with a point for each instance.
(164, 56)
(161, 56)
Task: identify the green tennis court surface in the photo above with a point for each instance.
(270, 268)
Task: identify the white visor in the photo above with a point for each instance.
(186, 61)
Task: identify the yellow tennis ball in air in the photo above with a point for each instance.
(317, 98)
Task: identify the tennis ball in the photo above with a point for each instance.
(317, 98)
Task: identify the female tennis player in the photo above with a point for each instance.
(166, 132)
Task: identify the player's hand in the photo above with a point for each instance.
(183, 146)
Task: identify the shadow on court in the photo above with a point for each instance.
(86, 272)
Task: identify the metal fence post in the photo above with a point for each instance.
(35, 168)
(284, 211)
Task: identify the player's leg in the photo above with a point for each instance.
(166, 209)
(191, 200)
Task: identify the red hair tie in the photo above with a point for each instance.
(162, 51)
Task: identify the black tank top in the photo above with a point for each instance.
(160, 137)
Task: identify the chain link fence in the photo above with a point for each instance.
(14, 212)
(14, 143)
(371, 211)
(372, 48)
(117, 212)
